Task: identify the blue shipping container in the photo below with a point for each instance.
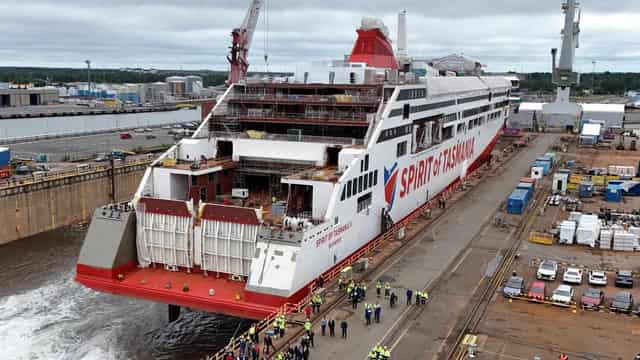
(614, 193)
(545, 165)
(528, 187)
(517, 201)
(586, 189)
(5, 157)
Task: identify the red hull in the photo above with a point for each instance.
(230, 296)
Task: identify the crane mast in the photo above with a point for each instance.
(563, 113)
(563, 75)
(241, 43)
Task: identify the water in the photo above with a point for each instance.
(13, 128)
(44, 314)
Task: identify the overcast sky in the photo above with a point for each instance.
(194, 34)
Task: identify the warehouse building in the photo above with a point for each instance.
(530, 115)
(27, 97)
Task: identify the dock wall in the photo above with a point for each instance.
(31, 208)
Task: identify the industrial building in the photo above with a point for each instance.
(30, 96)
(530, 115)
(184, 86)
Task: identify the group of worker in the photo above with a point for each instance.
(316, 301)
(379, 352)
(279, 325)
(386, 286)
(371, 309)
(422, 297)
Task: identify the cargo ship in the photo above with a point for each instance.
(287, 178)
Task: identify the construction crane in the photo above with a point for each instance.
(241, 43)
(562, 113)
(563, 75)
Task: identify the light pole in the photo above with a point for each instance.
(593, 78)
(88, 62)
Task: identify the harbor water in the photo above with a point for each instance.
(44, 314)
(58, 125)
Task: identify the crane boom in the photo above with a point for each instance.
(241, 43)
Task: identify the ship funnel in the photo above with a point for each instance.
(403, 52)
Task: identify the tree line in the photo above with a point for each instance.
(606, 83)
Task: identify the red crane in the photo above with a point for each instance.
(241, 42)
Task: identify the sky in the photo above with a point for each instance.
(506, 35)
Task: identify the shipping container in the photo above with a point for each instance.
(576, 179)
(528, 187)
(559, 185)
(614, 193)
(545, 165)
(5, 157)
(517, 201)
(598, 180)
(586, 189)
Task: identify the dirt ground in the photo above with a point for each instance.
(518, 329)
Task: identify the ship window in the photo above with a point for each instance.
(210, 177)
(360, 183)
(371, 179)
(332, 77)
(406, 111)
(344, 193)
(470, 124)
(203, 194)
(375, 178)
(306, 77)
(349, 189)
(447, 132)
(460, 128)
(194, 180)
(256, 254)
(366, 162)
(401, 149)
(364, 201)
(361, 165)
(278, 252)
(352, 78)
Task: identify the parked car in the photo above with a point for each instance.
(572, 276)
(537, 290)
(592, 299)
(563, 294)
(547, 270)
(624, 278)
(622, 302)
(125, 136)
(150, 137)
(513, 287)
(139, 130)
(597, 277)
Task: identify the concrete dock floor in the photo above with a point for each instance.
(442, 254)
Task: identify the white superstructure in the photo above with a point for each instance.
(391, 148)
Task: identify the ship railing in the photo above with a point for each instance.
(327, 99)
(309, 115)
(290, 137)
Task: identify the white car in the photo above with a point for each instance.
(573, 276)
(597, 277)
(547, 270)
(563, 294)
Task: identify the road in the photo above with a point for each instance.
(443, 252)
(59, 149)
